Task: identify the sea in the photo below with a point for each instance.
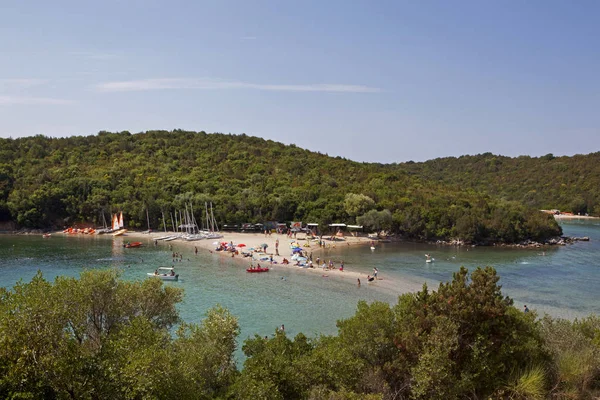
(562, 281)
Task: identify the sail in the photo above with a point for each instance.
(121, 225)
(115, 222)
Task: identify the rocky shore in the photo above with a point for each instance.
(555, 241)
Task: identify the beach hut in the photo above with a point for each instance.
(337, 230)
(353, 229)
(312, 227)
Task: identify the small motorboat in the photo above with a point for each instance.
(129, 245)
(164, 273)
(257, 269)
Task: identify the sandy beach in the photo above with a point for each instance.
(567, 217)
(255, 240)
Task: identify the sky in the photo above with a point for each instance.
(375, 81)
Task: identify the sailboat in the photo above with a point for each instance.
(117, 225)
(211, 222)
(105, 228)
(191, 226)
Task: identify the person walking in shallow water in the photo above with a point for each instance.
(525, 309)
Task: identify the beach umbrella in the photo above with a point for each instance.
(264, 245)
(241, 245)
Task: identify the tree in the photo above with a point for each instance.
(357, 204)
(101, 337)
(465, 338)
(376, 220)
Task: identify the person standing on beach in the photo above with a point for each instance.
(277, 247)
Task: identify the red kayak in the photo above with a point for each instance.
(257, 269)
(132, 244)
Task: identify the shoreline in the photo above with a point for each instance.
(390, 286)
(561, 216)
(386, 284)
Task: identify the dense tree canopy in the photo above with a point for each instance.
(48, 182)
(99, 337)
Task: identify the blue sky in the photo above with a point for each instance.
(383, 81)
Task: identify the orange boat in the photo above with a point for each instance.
(132, 244)
(259, 269)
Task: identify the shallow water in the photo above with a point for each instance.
(563, 282)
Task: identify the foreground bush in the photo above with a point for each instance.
(99, 337)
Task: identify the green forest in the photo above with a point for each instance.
(56, 182)
(100, 337)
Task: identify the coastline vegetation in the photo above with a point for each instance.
(56, 182)
(99, 337)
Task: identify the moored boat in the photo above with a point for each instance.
(257, 269)
(129, 245)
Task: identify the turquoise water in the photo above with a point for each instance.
(563, 282)
(303, 302)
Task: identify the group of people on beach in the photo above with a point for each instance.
(177, 257)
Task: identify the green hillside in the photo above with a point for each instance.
(565, 183)
(64, 181)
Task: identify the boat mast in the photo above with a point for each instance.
(208, 226)
(180, 221)
(214, 221)
(148, 218)
(195, 225)
(187, 220)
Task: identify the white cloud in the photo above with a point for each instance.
(22, 100)
(214, 84)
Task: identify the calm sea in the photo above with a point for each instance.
(562, 282)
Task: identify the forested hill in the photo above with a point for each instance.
(63, 181)
(565, 183)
